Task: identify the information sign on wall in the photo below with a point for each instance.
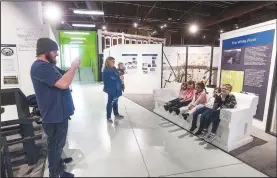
(9, 65)
(130, 63)
(149, 63)
(28, 38)
(245, 64)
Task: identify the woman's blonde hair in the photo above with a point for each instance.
(107, 61)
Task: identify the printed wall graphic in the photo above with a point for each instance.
(10, 80)
(198, 69)
(235, 78)
(28, 38)
(250, 54)
(9, 65)
(199, 63)
(149, 63)
(130, 63)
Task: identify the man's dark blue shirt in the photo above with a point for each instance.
(55, 104)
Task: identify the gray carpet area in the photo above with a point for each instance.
(260, 154)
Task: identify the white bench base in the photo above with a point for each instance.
(221, 135)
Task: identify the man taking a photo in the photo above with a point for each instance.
(54, 101)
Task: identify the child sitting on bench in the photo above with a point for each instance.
(228, 101)
(185, 97)
(199, 98)
(213, 103)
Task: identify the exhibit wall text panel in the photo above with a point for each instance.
(247, 62)
(248, 58)
(142, 64)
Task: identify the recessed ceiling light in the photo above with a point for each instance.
(221, 31)
(135, 25)
(62, 21)
(76, 38)
(88, 12)
(76, 42)
(104, 27)
(204, 37)
(83, 25)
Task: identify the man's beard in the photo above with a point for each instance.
(50, 59)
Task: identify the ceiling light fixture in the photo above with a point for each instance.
(221, 31)
(83, 25)
(88, 12)
(52, 13)
(62, 21)
(135, 25)
(193, 28)
(103, 27)
(76, 42)
(77, 33)
(75, 38)
(204, 37)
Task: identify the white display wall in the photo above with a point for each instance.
(142, 63)
(199, 58)
(262, 38)
(21, 26)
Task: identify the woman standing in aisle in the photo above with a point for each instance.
(113, 87)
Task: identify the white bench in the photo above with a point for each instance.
(235, 125)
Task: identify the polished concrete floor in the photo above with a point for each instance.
(260, 153)
(142, 145)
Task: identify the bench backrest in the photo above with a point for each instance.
(243, 100)
(174, 87)
(247, 100)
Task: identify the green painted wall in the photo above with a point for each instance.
(88, 49)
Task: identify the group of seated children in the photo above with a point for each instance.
(193, 101)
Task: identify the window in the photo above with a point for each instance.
(127, 41)
(114, 41)
(108, 41)
(103, 43)
(119, 40)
